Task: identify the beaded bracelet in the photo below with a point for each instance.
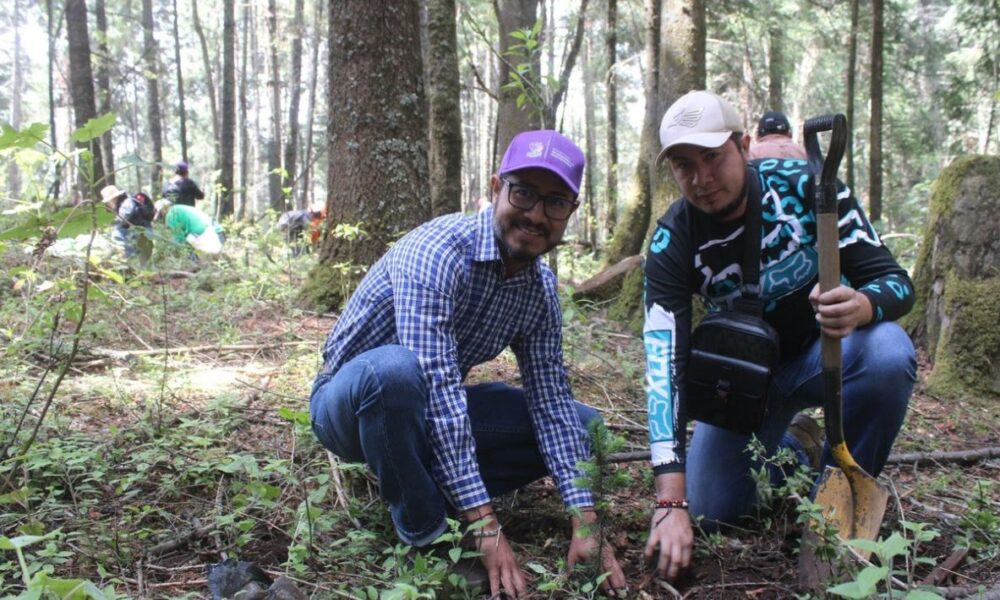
(481, 533)
(682, 503)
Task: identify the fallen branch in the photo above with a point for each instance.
(910, 458)
(124, 354)
(184, 540)
(972, 592)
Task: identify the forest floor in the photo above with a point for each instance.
(151, 465)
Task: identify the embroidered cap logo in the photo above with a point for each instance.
(688, 117)
(535, 149)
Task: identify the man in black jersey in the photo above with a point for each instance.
(698, 248)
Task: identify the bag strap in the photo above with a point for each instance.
(750, 302)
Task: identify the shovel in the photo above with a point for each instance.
(851, 499)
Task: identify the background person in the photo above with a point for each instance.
(188, 224)
(182, 190)
(774, 139)
(132, 212)
(449, 295)
(697, 247)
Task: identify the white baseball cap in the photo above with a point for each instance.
(699, 118)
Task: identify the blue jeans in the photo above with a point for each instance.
(125, 237)
(879, 370)
(372, 411)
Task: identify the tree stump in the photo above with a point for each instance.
(957, 278)
(608, 283)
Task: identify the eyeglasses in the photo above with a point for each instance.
(524, 197)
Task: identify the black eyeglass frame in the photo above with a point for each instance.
(546, 200)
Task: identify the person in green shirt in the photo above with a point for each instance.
(188, 224)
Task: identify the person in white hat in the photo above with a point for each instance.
(132, 214)
(698, 248)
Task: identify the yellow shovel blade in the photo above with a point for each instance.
(853, 502)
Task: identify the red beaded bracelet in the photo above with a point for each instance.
(682, 503)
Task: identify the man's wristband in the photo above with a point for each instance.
(682, 503)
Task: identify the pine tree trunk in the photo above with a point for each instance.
(155, 133)
(775, 69)
(209, 83)
(445, 117)
(91, 176)
(511, 16)
(56, 186)
(377, 140)
(103, 80)
(243, 124)
(611, 136)
(852, 59)
(228, 107)
(295, 95)
(13, 173)
(307, 178)
(589, 215)
(569, 61)
(875, 124)
(180, 88)
(274, 178)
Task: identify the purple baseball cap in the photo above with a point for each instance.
(545, 149)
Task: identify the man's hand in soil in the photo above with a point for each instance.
(670, 530)
(497, 556)
(582, 547)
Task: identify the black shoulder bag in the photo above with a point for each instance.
(733, 353)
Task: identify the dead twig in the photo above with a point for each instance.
(124, 354)
(338, 487)
(180, 542)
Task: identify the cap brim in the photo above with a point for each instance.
(547, 167)
(704, 140)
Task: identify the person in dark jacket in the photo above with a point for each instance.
(182, 189)
(131, 212)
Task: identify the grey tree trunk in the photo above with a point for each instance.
(852, 60)
(307, 176)
(151, 55)
(209, 82)
(180, 88)
(13, 173)
(295, 94)
(91, 176)
(56, 186)
(589, 214)
(875, 123)
(775, 69)
(243, 125)
(445, 116)
(567, 69)
(511, 16)
(228, 108)
(611, 116)
(377, 140)
(103, 80)
(274, 179)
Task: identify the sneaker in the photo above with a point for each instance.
(809, 435)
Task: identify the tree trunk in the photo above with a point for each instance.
(103, 80)
(91, 177)
(155, 133)
(570, 60)
(377, 140)
(445, 116)
(511, 120)
(852, 59)
(295, 94)
(307, 177)
(56, 186)
(13, 173)
(611, 133)
(180, 88)
(228, 108)
(589, 215)
(775, 69)
(210, 83)
(243, 124)
(875, 124)
(274, 179)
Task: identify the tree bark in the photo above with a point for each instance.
(243, 125)
(775, 69)
(611, 116)
(182, 112)
(307, 177)
(13, 173)
(82, 91)
(852, 59)
(295, 96)
(209, 82)
(228, 108)
(377, 139)
(589, 215)
(56, 185)
(274, 178)
(445, 116)
(875, 123)
(155, 133)
(568, 63)
(103, 80)
(511, 120)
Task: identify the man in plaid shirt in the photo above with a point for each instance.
(450, 295)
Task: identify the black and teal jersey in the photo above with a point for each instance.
(693, 254)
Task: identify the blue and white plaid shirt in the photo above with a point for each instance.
(440, 291)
